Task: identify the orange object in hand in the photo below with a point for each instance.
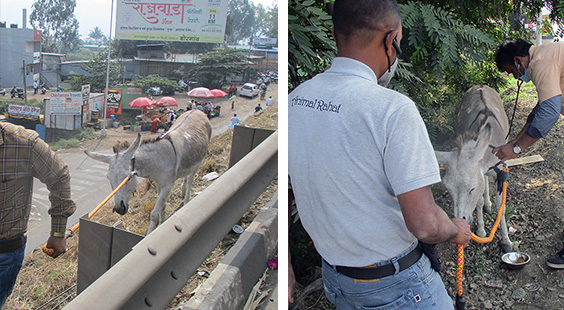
(47, 250)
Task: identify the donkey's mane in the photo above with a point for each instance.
(151, 140)
(473, 135)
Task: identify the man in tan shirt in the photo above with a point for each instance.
(23, 156)
(544, 66)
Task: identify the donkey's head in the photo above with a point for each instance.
(464, 171)
(119, 169)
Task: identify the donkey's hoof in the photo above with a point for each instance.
(506, 248)
(487, 209)
(481, 233)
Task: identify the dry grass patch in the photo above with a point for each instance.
(42, 278)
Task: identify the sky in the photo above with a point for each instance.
(89, 13)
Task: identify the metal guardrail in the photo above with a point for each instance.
(158, 267)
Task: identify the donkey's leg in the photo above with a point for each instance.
(480, 219)
(158, 213)
(506, 244)
(487, 202)
(187, 187)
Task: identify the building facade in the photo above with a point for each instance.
(19, 48)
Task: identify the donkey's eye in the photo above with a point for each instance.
(472, 190)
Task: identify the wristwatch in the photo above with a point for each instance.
(516, 149)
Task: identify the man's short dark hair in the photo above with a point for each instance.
(510, 48)
(363, 19)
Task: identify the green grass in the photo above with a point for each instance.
(65, 144)
(74, 138)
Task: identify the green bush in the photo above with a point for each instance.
(127, 117)
(65, 144)
(87, 134)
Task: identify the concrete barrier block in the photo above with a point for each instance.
(232, 280)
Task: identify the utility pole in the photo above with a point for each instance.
(538, 31)
(104, 133)
(25, 86)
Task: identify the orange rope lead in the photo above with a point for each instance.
(73, 229)
(499, 215)
(459, 268)
(91, 214)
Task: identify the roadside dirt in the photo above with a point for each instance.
(535, 215)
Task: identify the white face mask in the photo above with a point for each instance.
(387, 76)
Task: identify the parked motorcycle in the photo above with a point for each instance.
(44, 89)
(2, 92)
(17, 92)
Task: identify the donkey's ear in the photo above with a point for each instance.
(133, 147)
(484, 138)
(101, 157)
(444, 158)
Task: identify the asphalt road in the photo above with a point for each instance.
(88, 177)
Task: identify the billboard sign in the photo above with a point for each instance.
(66, 103)
(24, 111)
(172, 20)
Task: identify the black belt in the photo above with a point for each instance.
(13, 244)
(372, 273)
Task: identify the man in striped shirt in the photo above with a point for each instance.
(23, 156)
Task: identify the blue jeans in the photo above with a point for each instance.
(417, 287)
(10, 264)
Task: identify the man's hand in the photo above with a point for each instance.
(463, 234)
(505, 152)
(291, 281)
(58, 244)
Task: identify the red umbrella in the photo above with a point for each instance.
(200, 92)
(141, 102)
(218, 93)
(167, 102)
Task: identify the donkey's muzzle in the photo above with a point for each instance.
(121, 209)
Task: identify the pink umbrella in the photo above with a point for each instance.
(141, 102)
(200, 92)
(167, 102)
(218, 93)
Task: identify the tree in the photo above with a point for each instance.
(56, 19)
(97, 35)
(240, 23)
(154, 80)
(215, 66)
(267, 21)
(310, 41)
(96, 68)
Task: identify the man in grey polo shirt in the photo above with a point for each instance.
(361, 165)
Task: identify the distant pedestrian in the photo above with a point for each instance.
(35, 87)
(170, 118)
(269, 101)
(232, 91)
(235, 121)
(208, 109)
(262, 91)
(190, 105)
(258, 108)
(233, 99)
(155, 125)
